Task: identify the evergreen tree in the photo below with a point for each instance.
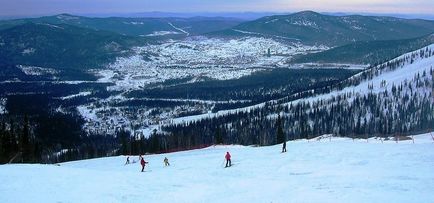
(280, 136)
(123, 138)
(2, 143)
(155, 142)
(25, 142)
(218, 137)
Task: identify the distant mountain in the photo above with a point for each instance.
(136, 26)
(367, 52)
(159, 14)
(62, 46)
(314, 28)
(237, 15)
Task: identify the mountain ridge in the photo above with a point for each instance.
(136, 26)
(62, 46)
(366, 52)
(315, 28)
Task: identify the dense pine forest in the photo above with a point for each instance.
(49, 138)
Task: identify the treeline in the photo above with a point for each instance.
(17, 143)
(92, 146)
(50, 137)
(259, 87)
(162, 143)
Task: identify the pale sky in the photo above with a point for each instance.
(46, 7)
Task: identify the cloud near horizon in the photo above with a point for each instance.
(41, 7)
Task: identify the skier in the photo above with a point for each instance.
(284, 147)
(143, 162)
(228, 160)
(140, 157)
(128, 160)
(166, 161)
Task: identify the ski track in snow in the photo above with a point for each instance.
(179, 29)
(339, 170)
(260, 34)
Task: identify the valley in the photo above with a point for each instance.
(217, 101)
(158, 77)
(161, 81)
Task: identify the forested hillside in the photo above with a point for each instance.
(309, 27)
(391, 99)
(367, 52)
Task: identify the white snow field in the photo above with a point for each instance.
(335, 170)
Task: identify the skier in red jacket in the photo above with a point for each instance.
(143, 162)
(228, 159)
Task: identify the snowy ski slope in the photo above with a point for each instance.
(336, 170)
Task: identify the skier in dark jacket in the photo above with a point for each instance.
(228, 160)
(143, 163)
(166, 161)
(284, 147)
(128, 160)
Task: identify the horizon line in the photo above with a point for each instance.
(123, 14)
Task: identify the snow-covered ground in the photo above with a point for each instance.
(328, 170)
(161, 33)
(179, 29)
(215, 58)
(76, 95)
(33, 70)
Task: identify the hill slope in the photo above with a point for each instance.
(366, 52)
(61, 46)
(150, 27)
(314, 28)
(339, 170)
(388, 99)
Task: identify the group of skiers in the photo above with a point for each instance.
(143, 162)
(166, 161)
